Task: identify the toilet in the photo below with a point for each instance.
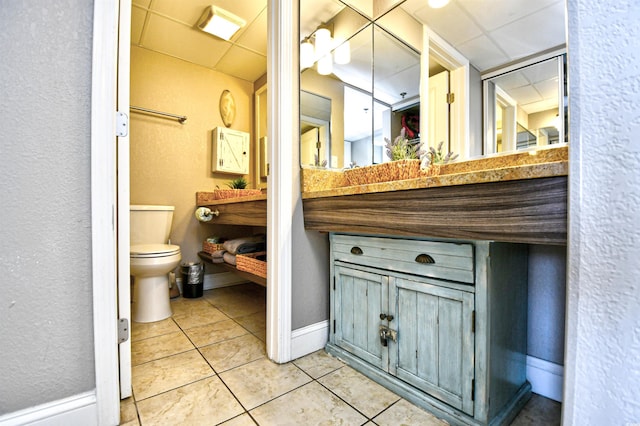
(151, 259)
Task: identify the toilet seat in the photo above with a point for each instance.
(142, 251)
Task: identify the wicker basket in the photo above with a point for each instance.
(384, 172)
(249, 263)
(222, 194)
(211, 247)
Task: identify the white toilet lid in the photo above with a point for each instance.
(154, 250)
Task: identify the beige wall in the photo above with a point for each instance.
(171, 161)
(334, 89)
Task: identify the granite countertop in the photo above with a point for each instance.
(539, 163)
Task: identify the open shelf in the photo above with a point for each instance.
(246, 275)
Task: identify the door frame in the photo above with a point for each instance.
(103, 208)
(282, 86)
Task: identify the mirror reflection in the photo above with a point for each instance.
(370, 77)
(525, 107)
(315, 131)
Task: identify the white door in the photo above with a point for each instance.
(438, 127)
(124, 290)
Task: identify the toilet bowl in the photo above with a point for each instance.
(151, 259)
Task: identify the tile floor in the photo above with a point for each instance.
(207, 366)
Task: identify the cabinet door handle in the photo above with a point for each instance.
(356, 250)
(424, 258)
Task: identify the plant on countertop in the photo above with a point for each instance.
(402, 149)
(436, 156)
(238, 183)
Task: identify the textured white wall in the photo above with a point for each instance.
(602, 363)
(46, 327)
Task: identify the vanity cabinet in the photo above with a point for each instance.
(442, 323)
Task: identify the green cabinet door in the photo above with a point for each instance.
(359, 299)
(435, 344)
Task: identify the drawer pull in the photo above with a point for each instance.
(356, 250)
(424, 258)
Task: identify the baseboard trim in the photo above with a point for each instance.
(222, 279)
(81, 409)
(309, 339)
(545, 377)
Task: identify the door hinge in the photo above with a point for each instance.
(451, 98)
(122, 124)
(334, 326)
(473, 321)
(473, 389)
(123, 330)
(334, 283)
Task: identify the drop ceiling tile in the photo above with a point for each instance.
(525, 95)
(172, 38)
(539, 106)
(243, 63)
(255, 36)
(548, 89)
(482, 53)
(511, 80)
(532, 34)
(315, 12)
(492, 14)
(450, 22)
(137, 24)
(543, 71)
(190, 11)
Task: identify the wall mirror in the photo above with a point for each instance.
(315, 130)
(524, 107)
(371, 92)
(260, 170)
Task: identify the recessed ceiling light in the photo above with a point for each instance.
(436, 4)
(220, 23)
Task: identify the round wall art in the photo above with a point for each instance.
(227, 108)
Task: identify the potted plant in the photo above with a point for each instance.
(237, 188)
(435, 158)
(405, 163)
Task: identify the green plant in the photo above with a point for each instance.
(238, 183)
(401, 148)
(436, 156)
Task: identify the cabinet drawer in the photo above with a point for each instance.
(444, 260)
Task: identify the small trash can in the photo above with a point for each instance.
(192, 279)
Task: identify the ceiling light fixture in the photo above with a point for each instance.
(437, 4)
(319, 48)
(307, 53)
(220, 23)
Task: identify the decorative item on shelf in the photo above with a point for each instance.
(434, 159)
(238, 188)
(405, 163)
(227, 108)
(255, 263)
(212, 244)
(402, 148)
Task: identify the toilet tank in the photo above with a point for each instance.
(150, 224)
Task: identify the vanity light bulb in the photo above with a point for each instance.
(306, 54)
(437, 4)
(323, 41)
(325, 65)
(342, 54)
